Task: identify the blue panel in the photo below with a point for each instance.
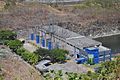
(43, 42)
(37, 39)
(32, 36)
(94, 51)
(96, 60)
(49, 45)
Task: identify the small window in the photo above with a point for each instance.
(47, 64)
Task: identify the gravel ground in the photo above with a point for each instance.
(29, 47)
(70, 67)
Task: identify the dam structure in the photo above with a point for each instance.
(56, 1)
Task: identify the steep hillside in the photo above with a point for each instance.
(14, 68)
(87, 18)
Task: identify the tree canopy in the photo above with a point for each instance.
(7, 35)
(28, 56)
(42, 52)
(14, 44)
(56, 55)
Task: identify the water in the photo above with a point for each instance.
(112, 42)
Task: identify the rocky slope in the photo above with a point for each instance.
(88, 22)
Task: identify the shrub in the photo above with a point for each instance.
(14, 44)
(20, 51)
(1, 77)
(42, 52)
(7, 35)
(30, 57)
(99, 4)
(58, 55)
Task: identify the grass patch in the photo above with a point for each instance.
(2, 4)
(1, 77)
(92, 66)
(108, 4)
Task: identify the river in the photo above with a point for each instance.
(112, 42)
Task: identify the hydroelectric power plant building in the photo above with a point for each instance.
(81, 47)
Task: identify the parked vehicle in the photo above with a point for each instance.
(43, 65)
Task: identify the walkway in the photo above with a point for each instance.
(29, 47)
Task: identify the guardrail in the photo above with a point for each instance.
(115, 52)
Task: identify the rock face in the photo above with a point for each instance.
(14, 68)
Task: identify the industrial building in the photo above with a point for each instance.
(80, 47)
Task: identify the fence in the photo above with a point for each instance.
(115, 52)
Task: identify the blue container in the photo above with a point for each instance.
(43, 42)
(49, 45)
(32, 36)
(94, 51)
(96, 60)
(37, 39)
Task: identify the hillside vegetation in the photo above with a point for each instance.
(109, 4)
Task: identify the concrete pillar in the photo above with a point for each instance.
(110, 54)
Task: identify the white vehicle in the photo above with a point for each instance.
(43, 65)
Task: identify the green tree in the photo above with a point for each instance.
(58, 55)
(30, 57)
(7, 35)
(14, 44)
(42, 52)
(20, 51)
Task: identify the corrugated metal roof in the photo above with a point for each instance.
(102, 49)
(61, 32)
(83, 42)
(71, 37)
